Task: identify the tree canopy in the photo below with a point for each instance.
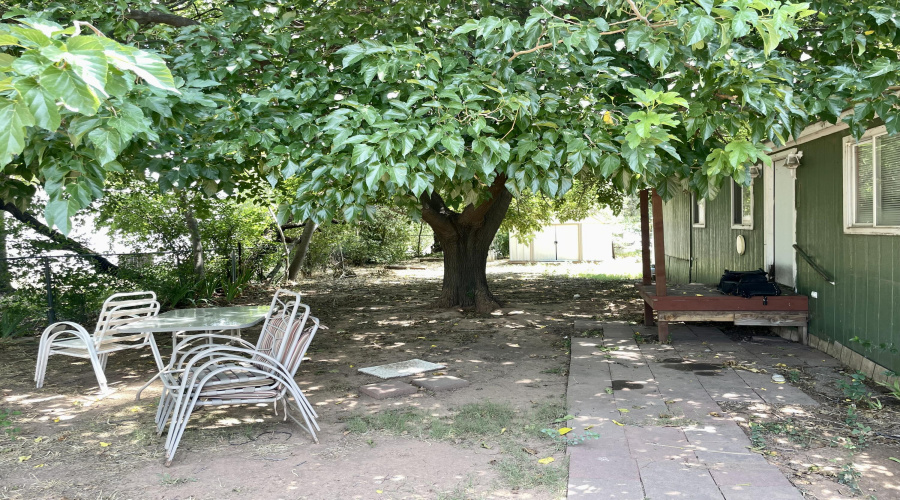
(449, 108)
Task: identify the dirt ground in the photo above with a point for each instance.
(482, 441)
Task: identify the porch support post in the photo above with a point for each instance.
(660, 254)
(645, 251)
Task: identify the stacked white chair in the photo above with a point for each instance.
(71, 339)
(238, 372)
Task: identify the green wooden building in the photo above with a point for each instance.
(824, 220)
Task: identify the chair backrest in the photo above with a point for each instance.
(282, 316)
(296, 344)
(121, 309)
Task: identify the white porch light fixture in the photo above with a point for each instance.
(793, 160)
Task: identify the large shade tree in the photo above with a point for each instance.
(452, 108)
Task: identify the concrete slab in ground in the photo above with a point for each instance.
(651, 389)
(385, 390)
(441, 383)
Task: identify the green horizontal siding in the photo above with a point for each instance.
(864, 302)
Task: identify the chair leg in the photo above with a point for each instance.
(98, 371)
(43, 357)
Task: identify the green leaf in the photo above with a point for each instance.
(373, 175)
(657, 52)
(107, 144)
(636, 36)
(879, 67)
(42, 106)
(454, 144)
(361, 153)
(739, 151)
(14, 117)
(85, 54)
(31, 64)
(352, 54)
(470, 25)
(608, 165)
(701, 27)
(592, 39)
(706, 4)
(71, 90)
(57, 214)
(148, 66)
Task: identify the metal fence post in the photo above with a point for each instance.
(51, 311)
(233, 267)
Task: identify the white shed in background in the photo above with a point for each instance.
(585, 240)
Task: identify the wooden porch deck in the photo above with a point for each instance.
(697, 302)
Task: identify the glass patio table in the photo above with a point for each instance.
(182, 322)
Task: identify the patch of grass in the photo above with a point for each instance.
(609, 277)
(169, 480)
(543, 416)
(463, 491)
(596, 333)
(482, 419)
(849, 476)
(557, 370)
(6, 423)
(393, 421)
(519, 470)
(786, 428)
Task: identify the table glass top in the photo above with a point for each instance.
(203, 319)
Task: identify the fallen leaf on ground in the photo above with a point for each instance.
(589, 427)
(618, 423)
(623, 410)
(502, 430)
(103, 445)
(529, 451)
(545, 461)
(894, 459)
(564, 430)
(38, 466)
(24, 458)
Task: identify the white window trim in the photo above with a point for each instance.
(748, 227)
(849, 188)
(702, 223)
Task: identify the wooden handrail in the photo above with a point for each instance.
(813, 265)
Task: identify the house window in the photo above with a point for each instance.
(698, 211)
(741, 206)
(872, 184)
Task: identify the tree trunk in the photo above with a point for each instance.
(466, 239)
(196, 243)
(301, 250)
(60, 241)
(5, 278)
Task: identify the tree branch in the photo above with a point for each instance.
(157, 17)
(637, 12)
(473, 215)
(62, 241)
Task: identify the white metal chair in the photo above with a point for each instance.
(71, 339)
(239, 372)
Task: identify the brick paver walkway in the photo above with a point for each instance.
(662, 434)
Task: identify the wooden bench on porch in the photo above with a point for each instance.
(699, 302)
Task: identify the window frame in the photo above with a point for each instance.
(701, 211)
(742, 226)
(849, 187)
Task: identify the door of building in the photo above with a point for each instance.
(781, 220)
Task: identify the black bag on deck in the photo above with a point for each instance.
(747, 284)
